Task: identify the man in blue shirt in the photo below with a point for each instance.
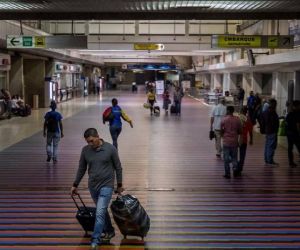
(115, 124)
(53, 130)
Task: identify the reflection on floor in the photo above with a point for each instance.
(195, 208)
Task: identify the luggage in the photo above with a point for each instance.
(85, 215)
(173, 109)
(130, 216)
(107, 115)
(156, 109)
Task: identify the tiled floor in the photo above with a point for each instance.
(169, 164)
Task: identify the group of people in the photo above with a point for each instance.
(14, 105)
(233, 132)
(177, 98)
(100, 158)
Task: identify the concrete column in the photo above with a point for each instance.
(34, 76)
(217, 81)
(279, 91)
(16, 85)
(257, 82)
(297, 86)
(226, 82)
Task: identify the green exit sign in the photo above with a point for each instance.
(27, 41)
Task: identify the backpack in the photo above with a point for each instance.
(107, 115)
(51, 124)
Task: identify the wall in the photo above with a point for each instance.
(16, 85)
(34, 76)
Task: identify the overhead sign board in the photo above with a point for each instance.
(255, 41)
(46, 42)
(148, 46)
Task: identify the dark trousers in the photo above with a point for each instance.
(242, 155)
(293, 140)
(115, 132)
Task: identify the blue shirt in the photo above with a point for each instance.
(57, 116)
(117, 112)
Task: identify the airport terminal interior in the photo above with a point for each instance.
(194, 56)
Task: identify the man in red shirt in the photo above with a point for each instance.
(231, 128)
(247, 128)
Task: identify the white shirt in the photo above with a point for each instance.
(218, 113)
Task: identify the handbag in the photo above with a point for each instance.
(211, 134)
(146, 105)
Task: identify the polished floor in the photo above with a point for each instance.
(169, 165)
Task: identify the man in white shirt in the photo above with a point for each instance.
(216, 116)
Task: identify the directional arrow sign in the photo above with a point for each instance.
(14, 41)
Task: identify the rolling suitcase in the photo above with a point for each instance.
(85, 215)
(173, 109)
(130, 216)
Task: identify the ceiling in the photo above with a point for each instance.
(148, 10)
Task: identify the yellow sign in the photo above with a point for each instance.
(232, 41)
(273, 41)
(148, 46)
(39, 42)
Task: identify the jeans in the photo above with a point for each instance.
(230, 155)
(178, 107)
(115, 132)
(102, 199)
(52, 144)
(293, 139)
(242, 149)
(218, 141)
(270, 146)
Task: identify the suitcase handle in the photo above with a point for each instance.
(80, 201)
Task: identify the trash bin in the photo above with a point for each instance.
(35, 102)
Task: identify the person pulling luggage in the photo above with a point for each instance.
(102, 161)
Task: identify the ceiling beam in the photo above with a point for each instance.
(148, 15)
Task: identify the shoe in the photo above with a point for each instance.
(227, 176)
(94, 246)
(237, 173)
(54, 160)
(218, 155)
(48, 158)
(293, 165)
(108, 236)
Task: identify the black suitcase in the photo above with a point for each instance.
(130, 216)
(173, 109)
(156, 109)
(85, 215)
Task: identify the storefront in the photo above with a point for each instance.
(67, 81)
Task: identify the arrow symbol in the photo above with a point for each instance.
(286, 41)
(13, 41)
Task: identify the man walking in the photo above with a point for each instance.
(115, 124)
(293, 131)
(269, 126)
(102, 161)
(216, 116)
(53, 130)
(231, 128)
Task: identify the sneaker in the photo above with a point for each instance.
(227, 176)
(94, 246)
(48, 158)
(293, 165)
(108, 236)
(54, 159)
